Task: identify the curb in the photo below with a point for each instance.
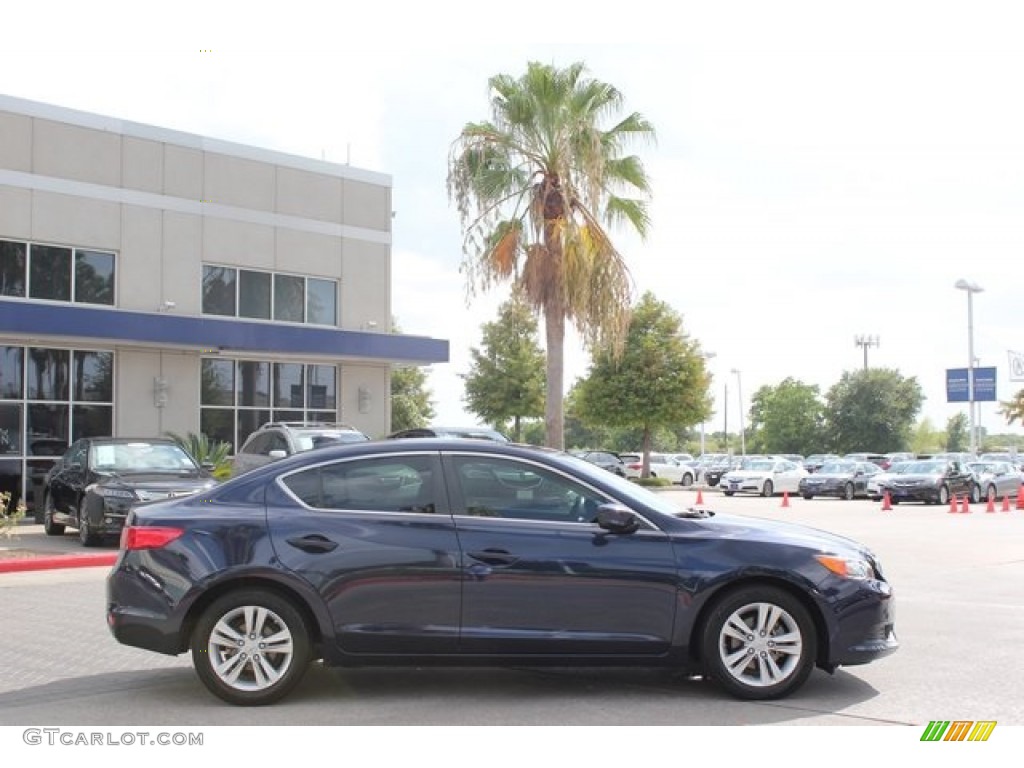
(45, 563)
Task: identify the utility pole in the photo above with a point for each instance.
(865, 342)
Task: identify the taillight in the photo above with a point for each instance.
(145, 537)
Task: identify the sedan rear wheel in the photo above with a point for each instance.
(943, 495)
(251, 647)
(975, 493)
(767, 489)
(687, 479)
(990, 494)
(759, 643)
(848, 491)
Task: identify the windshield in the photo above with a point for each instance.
(759, 465)
(838, 468)
(926, 467)
(140, 457)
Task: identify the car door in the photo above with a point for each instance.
(68, 479)
(374, 537)
(539, 577)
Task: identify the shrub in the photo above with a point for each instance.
(9, 518)
(207, 451)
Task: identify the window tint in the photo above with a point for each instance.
(50, 273)
(94, 277)
(289, 298)
(254, 294)
(321, 301)
(495, 487)
(12, 268)
(219, 291)
(388, 484)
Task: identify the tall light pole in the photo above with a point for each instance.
(865, 342)
(971, 288)
(707, 356)
(739, 389)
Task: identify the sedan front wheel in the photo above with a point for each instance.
(759, 643)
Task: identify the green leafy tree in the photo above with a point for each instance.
(506, 376)
(538, 188)
(411, 405)
(958, 433)
(787, 418)
(1013, 409)
(925, 438)
(658, 380)
(872, 410)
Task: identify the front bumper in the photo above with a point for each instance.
(866, 627)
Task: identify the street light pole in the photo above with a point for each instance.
(739, 389)
(865, 342)
(971, 289)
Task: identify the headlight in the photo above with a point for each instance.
(847, 567)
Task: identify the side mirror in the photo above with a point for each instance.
(615, 518)
(277, 454)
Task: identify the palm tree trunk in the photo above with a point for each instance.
(554, 423)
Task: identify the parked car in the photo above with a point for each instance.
(1012, 458)
(97, 479)
(276, 440)
(633, 463)
(874, 458)
(713, 472)
(475, 433)
(877, 481)
(763, 476)
(662, 465)
(410, 552)
(843, 479)
(815, 461)
(604, 459)
(895, 457)
(996, 479)
(933, 481)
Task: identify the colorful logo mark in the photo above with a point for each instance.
(958, 730)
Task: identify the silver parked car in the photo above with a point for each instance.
(997, 479)
(277, 440)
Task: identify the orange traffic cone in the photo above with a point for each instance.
(953, 504)
(1006, 504)
(965, 509)
(785, 498)
(886, 502)
(700, 497)
(991, 506)
(1020, 497)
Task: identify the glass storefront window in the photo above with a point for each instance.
(92, 420)
(218, 382)
(253, 383)
(254, 294)
(94, 377)
(322, 387)
(47, 429)
(94, 277)
(10, 429)
(47, 373)
(11, 371)
(12, 268)
(49, 272)
(249, 421)
(288, 385)
(218, 424)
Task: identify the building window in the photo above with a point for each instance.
(232, 292)
(56, 273)
(12, 268)
(238, 397)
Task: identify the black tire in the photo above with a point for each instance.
(767, 489)
(848, 492)
(51, 528)
(737, 664)
(943, 497)
(85, 534)
(991, 494)
(728, 493)
(975, 493)
(687, 480)
(808, 496)
(260, 614)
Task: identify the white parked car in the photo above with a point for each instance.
(877, 480)
(662, 465)
(763, 476)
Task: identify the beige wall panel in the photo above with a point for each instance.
(239, 182)
(15, 213)
(181, 414)
(78, 221)
(181, 270)
(308, 253)
(139, 263)
(15, 142)
(366, 285)
(367, 205)
(72, 152)
(375, 419)
(142, 165)
(240, 243)
(183, 172)
(309, 195)
(137, 414)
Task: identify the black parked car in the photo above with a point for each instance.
(933, 482)
(605, 460)
(842, 479)
(99, 478)
(474, 552)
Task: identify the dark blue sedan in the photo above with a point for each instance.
(451, 551)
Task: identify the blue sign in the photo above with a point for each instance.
(984, 385)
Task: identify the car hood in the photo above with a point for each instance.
(917, 477)
(756, 529)
(161, 482)
(831, 476)
(747, 474)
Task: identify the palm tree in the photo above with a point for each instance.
(535, 188)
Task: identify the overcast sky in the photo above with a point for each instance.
(819, 173)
